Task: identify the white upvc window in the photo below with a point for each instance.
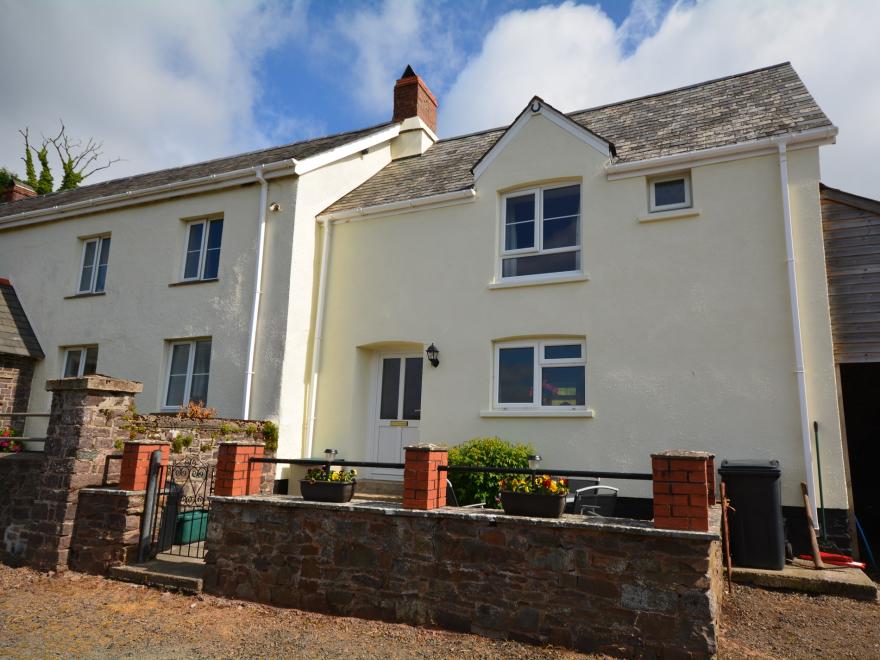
(541, 374)
(671, 192)
(541, 231)
(79, 361)
(93, 266)
(189, 366)
(201, 259)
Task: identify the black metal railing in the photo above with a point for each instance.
(554, 472)
(319, 461)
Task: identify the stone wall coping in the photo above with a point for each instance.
(96, 382)
(147, 442)
(243, 443)
(117, 492)
(426, 447)
(494, 516)
(683, 454)
(172, 421)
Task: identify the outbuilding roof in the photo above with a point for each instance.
(16, 334)
(735, 109)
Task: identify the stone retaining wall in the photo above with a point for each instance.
(106, 530)
(609, 585)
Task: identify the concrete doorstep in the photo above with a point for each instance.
(803, 576)
(175, 573)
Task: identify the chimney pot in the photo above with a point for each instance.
(412, 98)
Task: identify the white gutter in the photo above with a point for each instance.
(796, 328)
(764, 146)
(258, 293)
(398, 207)
(316, 340)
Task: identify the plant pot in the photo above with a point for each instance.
(537, 505)
(326, 491)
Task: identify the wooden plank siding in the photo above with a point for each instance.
(851, 229)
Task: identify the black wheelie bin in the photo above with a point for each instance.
(757, 533)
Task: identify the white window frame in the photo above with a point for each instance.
(653, 207)
(190, 364)
(538, 248)
(82, 359)
(539, 361)
(99, 245)
(203, 250)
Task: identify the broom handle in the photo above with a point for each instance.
(817, 558)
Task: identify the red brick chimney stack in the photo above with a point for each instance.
(16, 192)
(412, 98)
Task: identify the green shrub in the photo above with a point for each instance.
(270, 436)
(484, 452)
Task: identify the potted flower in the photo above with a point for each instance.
(333, 486)
(533, 495)
(8, 443)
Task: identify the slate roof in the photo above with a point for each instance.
(298, 150)
(16, 334)
(739, 108)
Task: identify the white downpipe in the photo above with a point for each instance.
(319, 332)
(796, 328)
(258, 293)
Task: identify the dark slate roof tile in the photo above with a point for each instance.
(740, 108)
(16, 334)
(298, 150)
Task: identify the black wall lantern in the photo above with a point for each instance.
(433, 355)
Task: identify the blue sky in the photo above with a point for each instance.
(320, 89)
(166, 82)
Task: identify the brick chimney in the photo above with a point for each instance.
(16, 192)
(412, 98)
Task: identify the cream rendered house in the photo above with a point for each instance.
(603, 284)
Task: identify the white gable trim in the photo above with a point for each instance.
(539, 107)
(345, 150)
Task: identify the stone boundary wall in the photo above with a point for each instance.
(19, 482)
(611, 585)
(106, 530)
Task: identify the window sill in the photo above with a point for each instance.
(88, 294)
(188, 282)
(674, 214)
(542, 412)
(538, 281)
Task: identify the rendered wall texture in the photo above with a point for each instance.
(687, 323)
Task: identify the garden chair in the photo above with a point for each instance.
(452, 500)
(574, 487)
(596, 501)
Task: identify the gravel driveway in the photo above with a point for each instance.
(82, 616)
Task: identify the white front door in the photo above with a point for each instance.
(399, 407)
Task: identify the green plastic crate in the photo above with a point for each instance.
(191, 527)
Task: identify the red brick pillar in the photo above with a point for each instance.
(424, 486)
(681, 489)
(236, 475)
(135, 470)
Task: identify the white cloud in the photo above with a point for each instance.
(161, 83)
(575, 57)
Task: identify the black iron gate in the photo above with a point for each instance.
(175, 520)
